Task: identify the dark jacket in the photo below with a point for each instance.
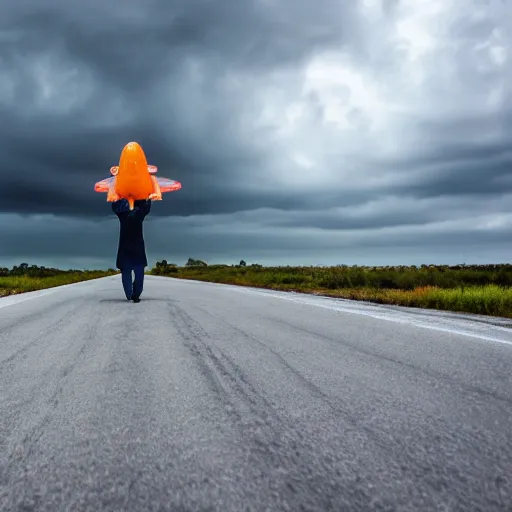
(131, 249)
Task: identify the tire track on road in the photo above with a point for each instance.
(420, 458)
(274, 442)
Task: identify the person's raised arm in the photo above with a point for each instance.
(143, 206)
(120, 206)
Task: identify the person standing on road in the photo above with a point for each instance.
(131, 252)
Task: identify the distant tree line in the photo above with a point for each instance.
(164, 267)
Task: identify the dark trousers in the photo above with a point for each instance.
(133, 287)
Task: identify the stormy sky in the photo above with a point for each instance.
(303, 132)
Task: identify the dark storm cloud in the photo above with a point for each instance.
(462, 168)
(326, 114)
(134, 55)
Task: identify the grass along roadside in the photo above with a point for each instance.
(11, 285)
(485, 290)
(489, 300)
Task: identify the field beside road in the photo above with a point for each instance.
(478, 289)
(24, 278)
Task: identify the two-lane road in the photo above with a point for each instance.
(211, 397)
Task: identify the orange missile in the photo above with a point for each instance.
(134, 179)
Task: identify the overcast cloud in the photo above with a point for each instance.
(314, 132)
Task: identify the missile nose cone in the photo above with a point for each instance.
(132, 158)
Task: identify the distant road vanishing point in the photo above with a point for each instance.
(207, 397)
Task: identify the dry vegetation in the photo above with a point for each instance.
(481, 289)
(25, 278)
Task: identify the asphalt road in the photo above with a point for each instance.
(208, 397)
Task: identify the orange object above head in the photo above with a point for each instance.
(134, 179)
